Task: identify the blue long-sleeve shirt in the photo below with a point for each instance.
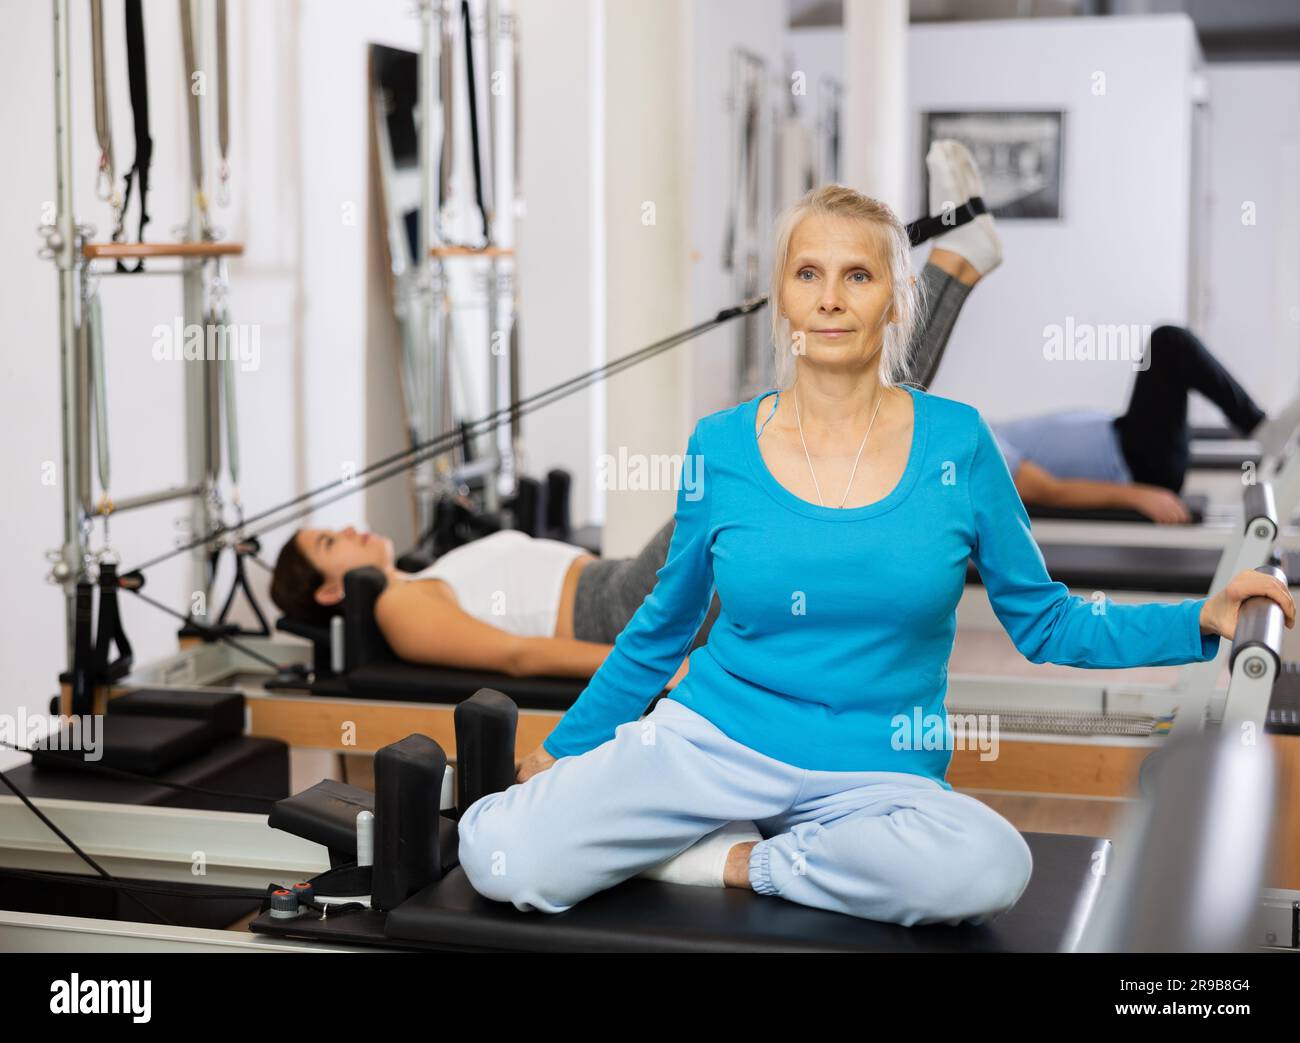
(834, 622)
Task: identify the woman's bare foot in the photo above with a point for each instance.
(736, 872)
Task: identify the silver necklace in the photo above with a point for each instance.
(853, 473)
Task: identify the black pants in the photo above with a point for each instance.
(1153, 433)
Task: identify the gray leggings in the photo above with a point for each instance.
(611, 590)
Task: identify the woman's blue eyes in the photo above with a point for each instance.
(866, 276)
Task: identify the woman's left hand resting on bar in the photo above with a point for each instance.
(1219, 613)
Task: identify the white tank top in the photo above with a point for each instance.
(509, 580)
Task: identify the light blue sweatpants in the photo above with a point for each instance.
(881, 845)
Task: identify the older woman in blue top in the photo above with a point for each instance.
(834, 515)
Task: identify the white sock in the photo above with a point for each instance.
(954, 179)
(703, 863)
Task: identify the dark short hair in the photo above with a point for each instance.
(294, 584)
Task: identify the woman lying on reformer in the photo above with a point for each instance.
(1085, 459)
(541, 608)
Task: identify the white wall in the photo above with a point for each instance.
(560, 236)
(648, 96)
(718, 28)
(1119, 255)
(1251, 273)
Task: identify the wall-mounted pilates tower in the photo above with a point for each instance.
(197, 258)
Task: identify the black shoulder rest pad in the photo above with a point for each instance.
(326, 813)
(316, 633)
(414, 561)
(363, 641)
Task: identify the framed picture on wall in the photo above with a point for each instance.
(1018, 155)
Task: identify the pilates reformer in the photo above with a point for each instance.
(351, 870)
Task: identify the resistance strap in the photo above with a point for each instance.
(110, 631)
(138, 176)
(192, 109)
(223, 108)
(924, 229)
(243, 550)
(106, 178)
(472, 83)
(82, 681)
(495, 100)
(446, 57)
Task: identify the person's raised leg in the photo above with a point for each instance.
(958, 259)
(589, 822)
(1153, 432)
(1199, 370)
(897, 848)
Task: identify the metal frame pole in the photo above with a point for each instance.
(427, 368)
(502, 361)
(200, 384)
(71, 563)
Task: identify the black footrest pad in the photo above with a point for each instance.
(485, 746)
(326, 814)
(223, 711)
(408, 822)
(137, 743)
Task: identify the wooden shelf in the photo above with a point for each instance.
(127, 251)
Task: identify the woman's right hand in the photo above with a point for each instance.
(537, 761)
(1160, 505)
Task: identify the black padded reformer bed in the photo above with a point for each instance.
(435, 907)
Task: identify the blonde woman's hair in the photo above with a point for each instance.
(842, 201)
